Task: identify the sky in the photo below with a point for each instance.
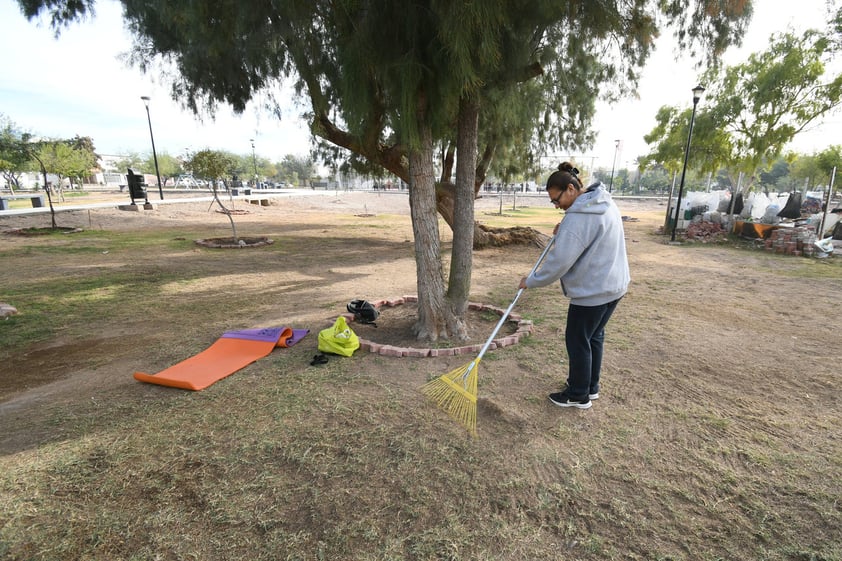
(76, 84)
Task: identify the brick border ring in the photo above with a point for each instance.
(245, 243)
(524, 328)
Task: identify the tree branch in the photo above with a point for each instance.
(389, 157)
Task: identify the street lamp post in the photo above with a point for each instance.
(613, 165)
(254, 162)
(145, 99)
(697, 94)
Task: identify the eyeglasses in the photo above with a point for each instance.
(556, 200)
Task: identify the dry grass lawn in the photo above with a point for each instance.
(716, 436)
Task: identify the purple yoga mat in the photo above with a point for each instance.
(267, 334)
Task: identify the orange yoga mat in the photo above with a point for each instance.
(231, 352)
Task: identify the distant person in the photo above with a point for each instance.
(589, 258)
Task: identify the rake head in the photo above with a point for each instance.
(456, 393)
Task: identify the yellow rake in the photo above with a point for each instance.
(456, 391)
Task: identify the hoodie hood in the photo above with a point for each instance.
(595, 200)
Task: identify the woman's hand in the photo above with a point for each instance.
(522, 283)
(555, 230)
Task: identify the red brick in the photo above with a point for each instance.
(525, 325)
(506, 341)
(390, 350)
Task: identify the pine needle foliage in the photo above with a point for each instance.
(366, 66)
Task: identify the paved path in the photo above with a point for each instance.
(123, 199)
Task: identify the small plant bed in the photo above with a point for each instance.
(43, 231)
(231, 243)
(234, 211)
(394, 334)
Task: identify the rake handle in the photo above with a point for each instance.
(511, 306)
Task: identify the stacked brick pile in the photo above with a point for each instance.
(792, 241)
(705, 231)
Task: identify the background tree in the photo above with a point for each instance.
(65, 162)
(622, 180)
(33, 150)
(711, 146)
(84, 148)
(242, 166)
(13, 157)
(132, 160)
(656, 178)
(390, 81)
(294, 169)
(265, 168)
(215, 165)
(828, 159)
(813, 171)
(168, 165)
(752, 110)
(773, 177)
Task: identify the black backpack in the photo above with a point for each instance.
(364, 311)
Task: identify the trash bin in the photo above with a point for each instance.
(137, 186)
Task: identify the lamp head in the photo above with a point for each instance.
(697, 92)
(145, 99)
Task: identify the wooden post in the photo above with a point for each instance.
(827, 203)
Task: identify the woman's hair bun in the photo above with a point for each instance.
(568, 167)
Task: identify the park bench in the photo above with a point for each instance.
(37, 200)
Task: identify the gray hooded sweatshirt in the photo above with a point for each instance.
(589, 254)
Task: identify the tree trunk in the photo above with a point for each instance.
(432, 313)
(447, 163)
(12, 182)
(461, 263)
(233, 226)
(226, 212)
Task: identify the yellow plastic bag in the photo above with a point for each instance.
(339, 339)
